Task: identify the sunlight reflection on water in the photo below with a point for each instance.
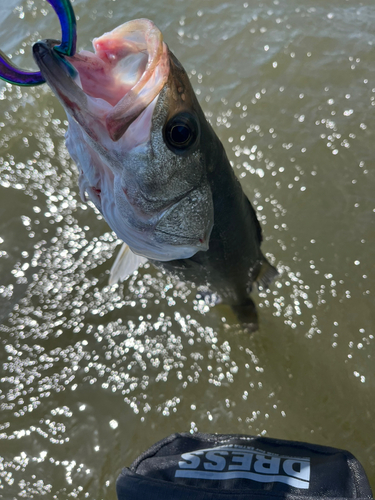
(91, 374)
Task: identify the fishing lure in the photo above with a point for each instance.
(9, 71)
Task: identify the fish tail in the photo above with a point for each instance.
(247, 315)
(266, 275)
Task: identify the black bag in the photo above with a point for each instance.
(233, 466)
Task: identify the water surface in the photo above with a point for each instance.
(92, 375)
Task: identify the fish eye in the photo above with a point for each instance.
(181, 132)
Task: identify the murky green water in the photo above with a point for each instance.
(93, 375)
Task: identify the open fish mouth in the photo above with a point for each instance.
(112, 86)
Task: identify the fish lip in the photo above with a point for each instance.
(60, 73)
(60, 76)
(51, 62)
(43, 50)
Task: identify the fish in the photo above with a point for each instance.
(152, 164)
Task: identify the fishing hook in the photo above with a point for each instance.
(9, 71)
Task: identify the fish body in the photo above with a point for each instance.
(153, 165)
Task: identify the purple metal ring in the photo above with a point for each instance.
(64, 10)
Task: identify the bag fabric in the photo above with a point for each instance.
(227, 466)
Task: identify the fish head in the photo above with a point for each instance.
(139, 138)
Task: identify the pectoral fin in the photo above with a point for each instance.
(266, 275)
(125, 264)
